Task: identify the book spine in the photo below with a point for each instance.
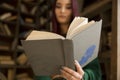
(68, 53)
(7, 62)
(10, 74)
(5, 57)
(5, 15)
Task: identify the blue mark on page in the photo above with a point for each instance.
(89, 52)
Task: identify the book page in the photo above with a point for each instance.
(79, 29)
(37, 35)
(76, 23)
(86, 42)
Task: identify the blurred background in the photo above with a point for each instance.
(19, 17)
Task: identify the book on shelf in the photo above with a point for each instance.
(11, 73)
(2, 76)
(43, 20)
(5, 30)
(33, 10)
(4, 57)
(5, 15)
(45, 49)
(29, 20)
(2, 31)
(22, 59)
(8, 16)
(24, 9)
(8, 6)
(12, 18)
(28, 10)
(7, 62)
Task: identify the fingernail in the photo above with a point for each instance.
(76, 61)
(63, 67)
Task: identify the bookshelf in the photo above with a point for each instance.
(114, 53)
(8, 38)
(108, 54)
(16, 22)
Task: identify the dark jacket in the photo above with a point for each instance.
(92, 72)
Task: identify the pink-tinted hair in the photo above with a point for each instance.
(75, 12)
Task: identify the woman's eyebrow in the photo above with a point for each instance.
(61, 3)
(69, 4)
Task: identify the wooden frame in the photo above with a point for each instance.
(113, 73)
(118, 20)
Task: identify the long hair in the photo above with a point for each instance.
(75, 12)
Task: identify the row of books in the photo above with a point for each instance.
(26, 13)
(26, 10)
(8, 6)
(29, 9)
(7, 60)
(5, 29)
(7, 16)
(10, 75)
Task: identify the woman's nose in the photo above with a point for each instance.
(63, 10)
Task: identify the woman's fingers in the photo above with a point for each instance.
(67, 75)
(79, 68)
(69, 72)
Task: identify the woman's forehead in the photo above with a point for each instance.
(64, 1)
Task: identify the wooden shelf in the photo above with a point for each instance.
(96, 8)
(19, 27)
(7, 66)
(107, 11)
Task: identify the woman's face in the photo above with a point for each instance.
(63, 11)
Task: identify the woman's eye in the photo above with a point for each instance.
(68, 7)
(58, 6)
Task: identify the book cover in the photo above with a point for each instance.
(48, 56)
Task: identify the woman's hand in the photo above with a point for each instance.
(70, 74)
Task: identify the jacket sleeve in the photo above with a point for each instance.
(92, 71)
(42, 78)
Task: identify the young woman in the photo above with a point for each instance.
(63, 13)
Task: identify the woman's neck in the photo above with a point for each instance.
(64, 28)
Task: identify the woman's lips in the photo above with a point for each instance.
(62, 16)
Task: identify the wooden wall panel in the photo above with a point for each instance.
(113, 74)
(118, 21)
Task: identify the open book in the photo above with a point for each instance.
(48, 51)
